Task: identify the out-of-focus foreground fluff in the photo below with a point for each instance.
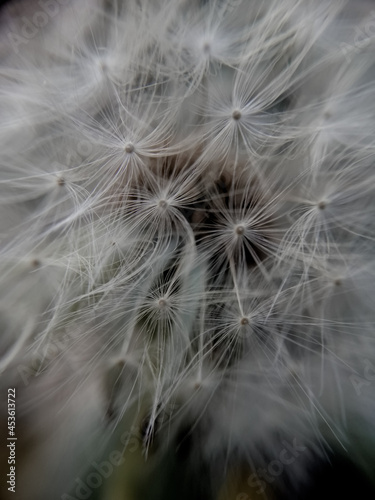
(187, 266)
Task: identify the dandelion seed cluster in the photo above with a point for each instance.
(187, 226)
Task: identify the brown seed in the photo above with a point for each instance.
(129, 148)
(206, 48)
(162, 303)
(103, 66)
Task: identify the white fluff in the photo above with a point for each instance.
(187, 194)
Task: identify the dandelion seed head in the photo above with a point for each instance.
(129, 148)
(337, 282)
(186, 234)
(206, 48)
(162, 303)
(327, 114)
(240, 230)
(163, 204)
(35, 263)
(322, 205)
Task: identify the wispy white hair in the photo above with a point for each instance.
(187, 226)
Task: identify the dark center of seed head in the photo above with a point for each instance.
(163, 204)
(206, 48)
(236, 115)
(244, 321)
(240, 230)
(162, 303)
(129, 148)
(103, 66)
(322, 205)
